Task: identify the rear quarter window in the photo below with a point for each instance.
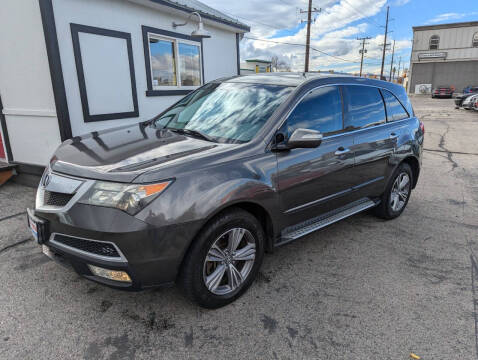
(395, 110)
(402, 96)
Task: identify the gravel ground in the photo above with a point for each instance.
(363, 288)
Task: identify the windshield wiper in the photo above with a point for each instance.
(195, 133)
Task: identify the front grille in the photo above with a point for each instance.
(56, 198)
(90, 246)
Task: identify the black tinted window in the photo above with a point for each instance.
(395, 110)
(320, 110)
(364, 106)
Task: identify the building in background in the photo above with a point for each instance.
(70, 67)
(444, 55)
(252, 66)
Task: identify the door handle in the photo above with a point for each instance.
(341, 150)
(393, 136)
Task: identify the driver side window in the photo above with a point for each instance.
(320, 110)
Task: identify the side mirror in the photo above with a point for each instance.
(304, 138)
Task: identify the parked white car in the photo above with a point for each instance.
(475, 103)
(469, 101)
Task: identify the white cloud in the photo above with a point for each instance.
(332, 32)
(450, 16)
(400, 2)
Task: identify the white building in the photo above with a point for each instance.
(68, 67)
(445, 54)
(253, 66)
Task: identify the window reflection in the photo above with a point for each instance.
(320, 110)
(189, 64)
(227, 112)
(163, 63)
(364, 107)
(395, 110)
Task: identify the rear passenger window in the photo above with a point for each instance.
(395, 110)
(364, 107)
(320, 110)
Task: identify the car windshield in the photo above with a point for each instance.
(224, 112)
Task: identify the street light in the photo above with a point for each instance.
(200, 32)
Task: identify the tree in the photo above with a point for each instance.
(274, 63)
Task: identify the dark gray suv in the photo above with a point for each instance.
(196, 195)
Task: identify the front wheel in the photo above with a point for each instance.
(396, 195)
(223, 260)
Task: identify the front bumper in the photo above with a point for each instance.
(151, 256)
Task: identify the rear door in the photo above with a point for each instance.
(313, 181)
(374, 139)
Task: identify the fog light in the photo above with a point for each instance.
(110, 274)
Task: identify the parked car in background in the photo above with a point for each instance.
(475, 104)
(461, 98)
(470, 90)
(236, 168)
(443, 92)
(469, 101)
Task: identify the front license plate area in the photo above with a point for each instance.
(38, 227)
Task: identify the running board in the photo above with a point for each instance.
(296, 231)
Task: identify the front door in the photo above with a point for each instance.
(314, 181)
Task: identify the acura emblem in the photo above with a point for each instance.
(46, 180)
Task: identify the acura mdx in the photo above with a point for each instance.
(197, 195)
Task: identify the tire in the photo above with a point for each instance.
(234, 223)
(388, 208)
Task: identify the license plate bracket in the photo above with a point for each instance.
(39, 227)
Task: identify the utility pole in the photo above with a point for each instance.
(391, 64)
(307, 42)
(363, 51)
(384, 44)
(399, 63)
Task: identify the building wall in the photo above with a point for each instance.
(454, 73)
(457, 42)
(460, 66)
(219, 52)
(25, 83)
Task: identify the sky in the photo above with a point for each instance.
(336, 28)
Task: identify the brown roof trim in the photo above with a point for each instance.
(445, 26)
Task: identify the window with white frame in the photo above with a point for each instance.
(174, 63)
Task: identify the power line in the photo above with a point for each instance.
(313, 48)
(361, 13)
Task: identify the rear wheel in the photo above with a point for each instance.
(396, 196)
(224, 259)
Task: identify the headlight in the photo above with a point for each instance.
(126, 197)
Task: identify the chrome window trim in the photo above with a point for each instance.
(286, 116)
(85, 185)
(121, 259)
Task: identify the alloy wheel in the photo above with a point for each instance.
(400, 192)
(229, 261)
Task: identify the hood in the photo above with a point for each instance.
(122, 154)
